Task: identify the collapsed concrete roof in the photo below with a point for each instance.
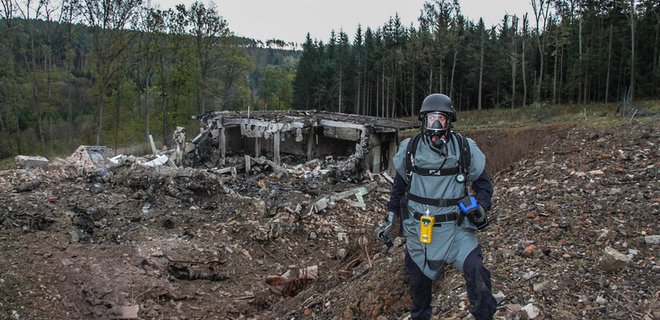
(362, 142)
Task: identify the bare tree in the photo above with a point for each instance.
(7, 12)
(631, 20)
(522, 57)
(609, 61)
(208, 27)
(541, 10)
(482, 32)
(107, 20)
(555, 54)
(29, 13)
(514, 59)
(68, 16)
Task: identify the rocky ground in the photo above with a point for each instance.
(574, 236)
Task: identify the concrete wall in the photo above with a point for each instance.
(325, 141)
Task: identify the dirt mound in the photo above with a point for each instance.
(574, 236)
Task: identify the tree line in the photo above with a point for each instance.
(564, 51)
(112, 72)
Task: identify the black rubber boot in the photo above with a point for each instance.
(420, 291)
(479, 288)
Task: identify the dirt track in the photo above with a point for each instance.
(138, 242)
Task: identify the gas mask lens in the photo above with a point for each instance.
(435, 120)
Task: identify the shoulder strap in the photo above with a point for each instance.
(410, 155)
(464, 161)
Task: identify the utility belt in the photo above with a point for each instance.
(430, 202)
(439, 218)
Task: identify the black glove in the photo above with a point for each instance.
(474, 212)
(384, 230)
(479, 217)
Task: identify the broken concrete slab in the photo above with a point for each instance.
(28, 162)
(330, 201)
(159, 161)
(90, 158)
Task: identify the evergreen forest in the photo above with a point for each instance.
(564, 51)
(113, 72)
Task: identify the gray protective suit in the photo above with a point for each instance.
(451, 243)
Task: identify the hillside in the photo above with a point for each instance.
(144, 243)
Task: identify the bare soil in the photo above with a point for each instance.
(137, 242)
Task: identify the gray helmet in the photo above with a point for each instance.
(438, 102)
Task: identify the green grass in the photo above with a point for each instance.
(596, 114)
(535, 115)
(7, 163)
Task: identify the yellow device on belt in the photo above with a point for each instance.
(426, 223)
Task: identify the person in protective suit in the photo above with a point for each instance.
(439, 218)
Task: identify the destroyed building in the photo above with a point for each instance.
(359, 143)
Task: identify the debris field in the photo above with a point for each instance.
(574, 236)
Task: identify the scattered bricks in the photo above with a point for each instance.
(529, 251)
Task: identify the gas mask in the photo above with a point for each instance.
(437, 139)
(435, 131)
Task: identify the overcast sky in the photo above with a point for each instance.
(291, 20)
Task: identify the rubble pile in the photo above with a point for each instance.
(574, 236)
